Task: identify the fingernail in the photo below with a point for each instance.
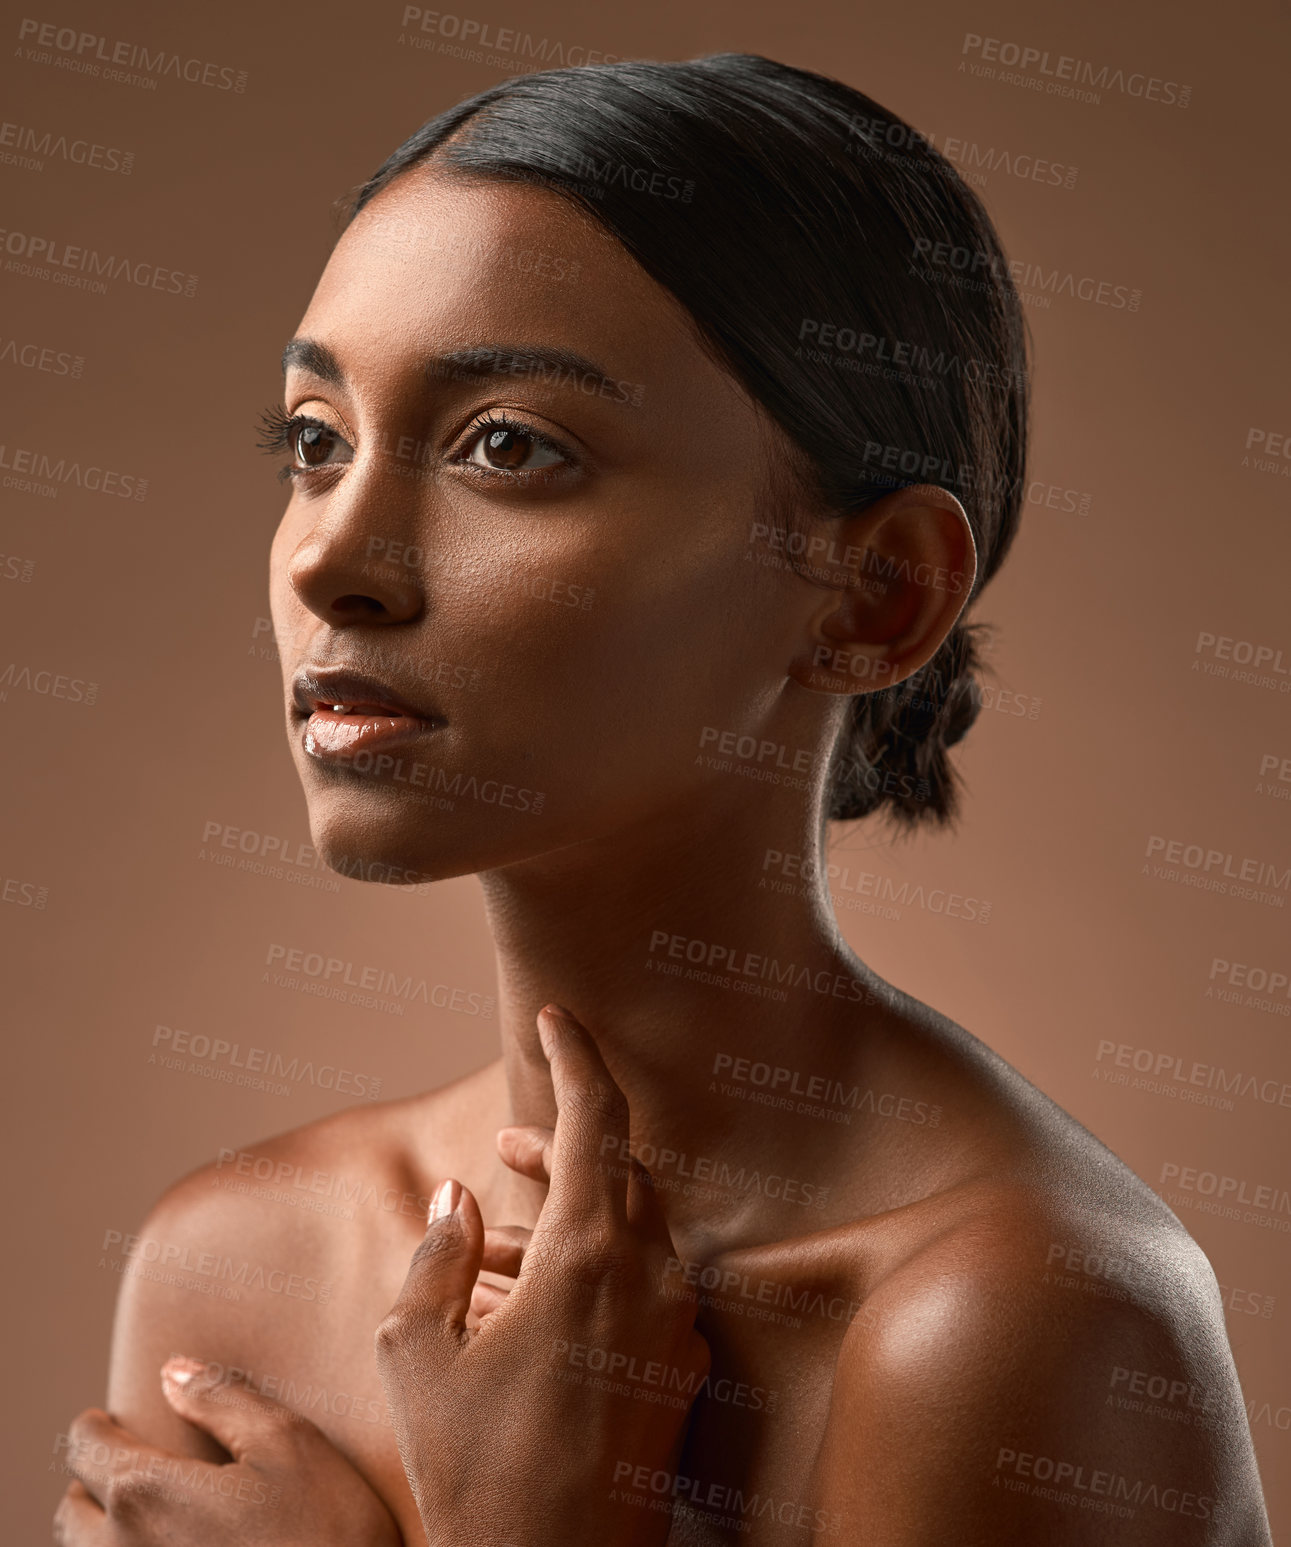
(447, 1196)
(179, 1371)
(549, 1016)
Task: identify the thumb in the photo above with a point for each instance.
(244, 1422)
(436, 1294)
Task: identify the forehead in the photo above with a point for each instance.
(438, 261)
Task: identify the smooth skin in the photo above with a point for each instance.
(910, 1328)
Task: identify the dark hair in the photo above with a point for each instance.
(842, 271)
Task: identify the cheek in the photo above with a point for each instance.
(602, 669)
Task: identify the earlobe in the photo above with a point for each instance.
(843, 669)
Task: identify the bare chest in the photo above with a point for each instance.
(751, 1430)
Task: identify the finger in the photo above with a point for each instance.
(134, 1483)
(486, 1298)
(645, 1211)
(79, 1520)
(504, 1249)
(623, 1176)
(99, 1450)
(589, 1171)
(527, 1150)
(251, 1427)
(436, 1294)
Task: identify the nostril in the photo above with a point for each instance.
(358, 606)
(332, 578)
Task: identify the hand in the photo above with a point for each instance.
(286, 1485)
(504, 1436)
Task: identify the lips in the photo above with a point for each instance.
(346, 713)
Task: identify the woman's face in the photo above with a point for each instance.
(542, 568)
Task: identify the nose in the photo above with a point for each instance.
(356, 565)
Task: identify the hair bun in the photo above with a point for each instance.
(893, 751)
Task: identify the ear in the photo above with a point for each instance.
(900, 574)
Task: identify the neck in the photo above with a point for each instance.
(672, 945)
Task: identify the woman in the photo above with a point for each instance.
(686, 403)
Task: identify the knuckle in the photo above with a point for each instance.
(600, 1104)
(410, 1345)
(78, 1431)
(393, 1334)
(600, 1256)
(127, 1496)
(549, 1256)
(532, 1145)
(406, 1332)
(445, 1240)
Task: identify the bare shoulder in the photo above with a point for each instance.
(1037, 1204)
(1012, 1258)
(279, 1247)
(376, 1156)
(1049, 1358)
(1040, 1350)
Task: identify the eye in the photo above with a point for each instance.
(312, 443)
(309, 442)
(501, 445)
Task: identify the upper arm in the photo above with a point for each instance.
(980, 1404)
(226, 1273)
(165, 1307)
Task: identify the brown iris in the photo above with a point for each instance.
(314, 444)
(507, 450)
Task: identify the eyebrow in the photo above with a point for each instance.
(479, 362)
(316, 358)
(486, 361)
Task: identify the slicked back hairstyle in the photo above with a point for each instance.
(842, 271)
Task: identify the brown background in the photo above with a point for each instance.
(1145, 414)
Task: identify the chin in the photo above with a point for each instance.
(409, 838)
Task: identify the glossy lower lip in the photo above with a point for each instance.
(332, 737)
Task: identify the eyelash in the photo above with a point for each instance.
(495, 419)
(277, 428)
